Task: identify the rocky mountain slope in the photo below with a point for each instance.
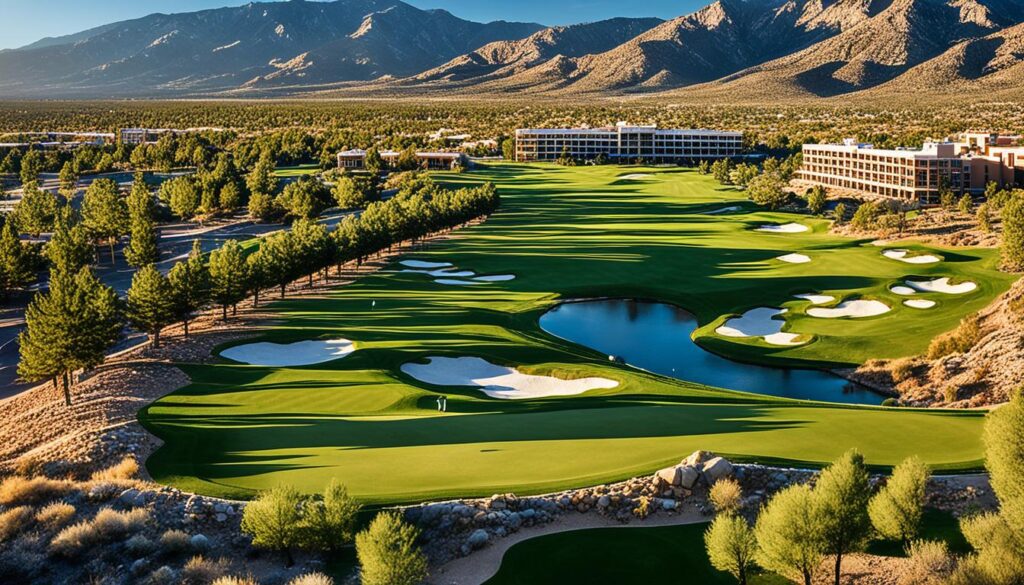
(273, 43)
(730, 49)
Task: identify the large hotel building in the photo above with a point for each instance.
(624, 142)
(966, 164)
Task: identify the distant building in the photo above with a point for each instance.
(151, 135)
(356, 159)
(964, 164)
(626, 143)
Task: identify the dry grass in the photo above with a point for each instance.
(960, 340)
(174, 542)
(236, 581)
(139, 546)
(106, 526)
(202, 571)
(126, 469)
(15, 520)
(110, 523)
(726, 495)
(17, 490)
(312, 579)
(55, 515)
(929, 563)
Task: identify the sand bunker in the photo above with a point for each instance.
(496, 278)
(903, 290)
(919, 303)
(942, 285)
(856, 309)
(422, 264)
(725, 210)
(499, 381)
(453, 282)
(300, 353)
(760, 322)
(636, 176)
(795, 258)
(789, 228)
(816, 299)
(903, 256)
(447, 272)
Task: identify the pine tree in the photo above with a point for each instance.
(841, 506)
(190, 285)
(150, 302)
(262, 179)
(228, 281)
(142, 247)
(104, 212)
(68, 181)
(259, 273)
(373, 162)
(312, 247)
(35, 212)
(15, 262)
(1013, 233)
(69, 250)
(31, 166)
(280, 258)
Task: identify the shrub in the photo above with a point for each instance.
(201, 571)
(110, 523)
(13, 521)
(17, 490)
(312, 579)
(273, 520)
(28, 466)
(21, 561)
(162, 576)
(329, 523)
(901, 370)
(726, 496)
(74, 539)
(139, 546)
(891, 402)
(55, 515)
(896, 509)
(174, 542)
(928, 563)
(126, 469)
(235, 581)
(960, 340)
(107, 525)
(731, 545)
(388, 554)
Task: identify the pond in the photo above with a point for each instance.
(656, 337)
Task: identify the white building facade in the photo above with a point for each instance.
(627, 143)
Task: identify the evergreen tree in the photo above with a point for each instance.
(984, 217)
(228, 281)
(841, 501)
(35, 212)
(388, 554)
(15, 262)
(68, 327)
(182, 195)
(190, 285)
(965, 204)
(767, 189)
(731, 546)
(407, 160)
(1013, 233)
(142, 247)
(150, 302)
(31, 166)
(69, 250)
(896, 509)
(788, 535)
(508, 148)
(262, 179)
(373, 163)
(68, 180)
(350, 193)
(279, 257)
(840, 213)
(311, 247)
(104, 212)
(816, 200)
(263, 206)
(230, 197)
(305, 198)
(329, 522)
(260, 277)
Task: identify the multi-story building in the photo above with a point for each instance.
(151, 135)
(965, 164)
(356, 159)
(625, 142)
(915, 175)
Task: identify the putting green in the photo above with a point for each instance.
(566, 232)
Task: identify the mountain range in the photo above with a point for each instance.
(758, 49)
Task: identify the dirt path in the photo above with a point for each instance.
(482, 565)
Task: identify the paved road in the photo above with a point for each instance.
(175, 242)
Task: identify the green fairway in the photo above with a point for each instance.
(297, 171)
(629, 555)
(566, 233)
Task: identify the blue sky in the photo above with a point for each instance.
(25, 21)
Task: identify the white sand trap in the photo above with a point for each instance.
(760, 322)
(496, 278)
(904, 256)
(422, 264)
(795, 258)
(903, 290)
(443, 273)
(725, 210)
(789, 228)
(454, 282)
(636, 177)
(499, 381)
(856, 309)
(919, 303)
(880, 243)
(300, 353)
(942, 285)
(816, 299)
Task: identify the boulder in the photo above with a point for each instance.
(698, 459)
(688, 476)
(478, 539)
(670, 475)
(716, 469)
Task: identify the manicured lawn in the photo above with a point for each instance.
(624, 556)
(565, 233)
(297, 171)
(673, 554)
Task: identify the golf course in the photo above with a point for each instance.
(363, 407)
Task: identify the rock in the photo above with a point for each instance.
(199, 542)
(670, 475)
(603, 502)
(668, 504)
(698, 458)
(716, 469)
(688, 476)
(478, 539)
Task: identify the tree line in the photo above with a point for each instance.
(71, 326)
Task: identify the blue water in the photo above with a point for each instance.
(656, 337)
